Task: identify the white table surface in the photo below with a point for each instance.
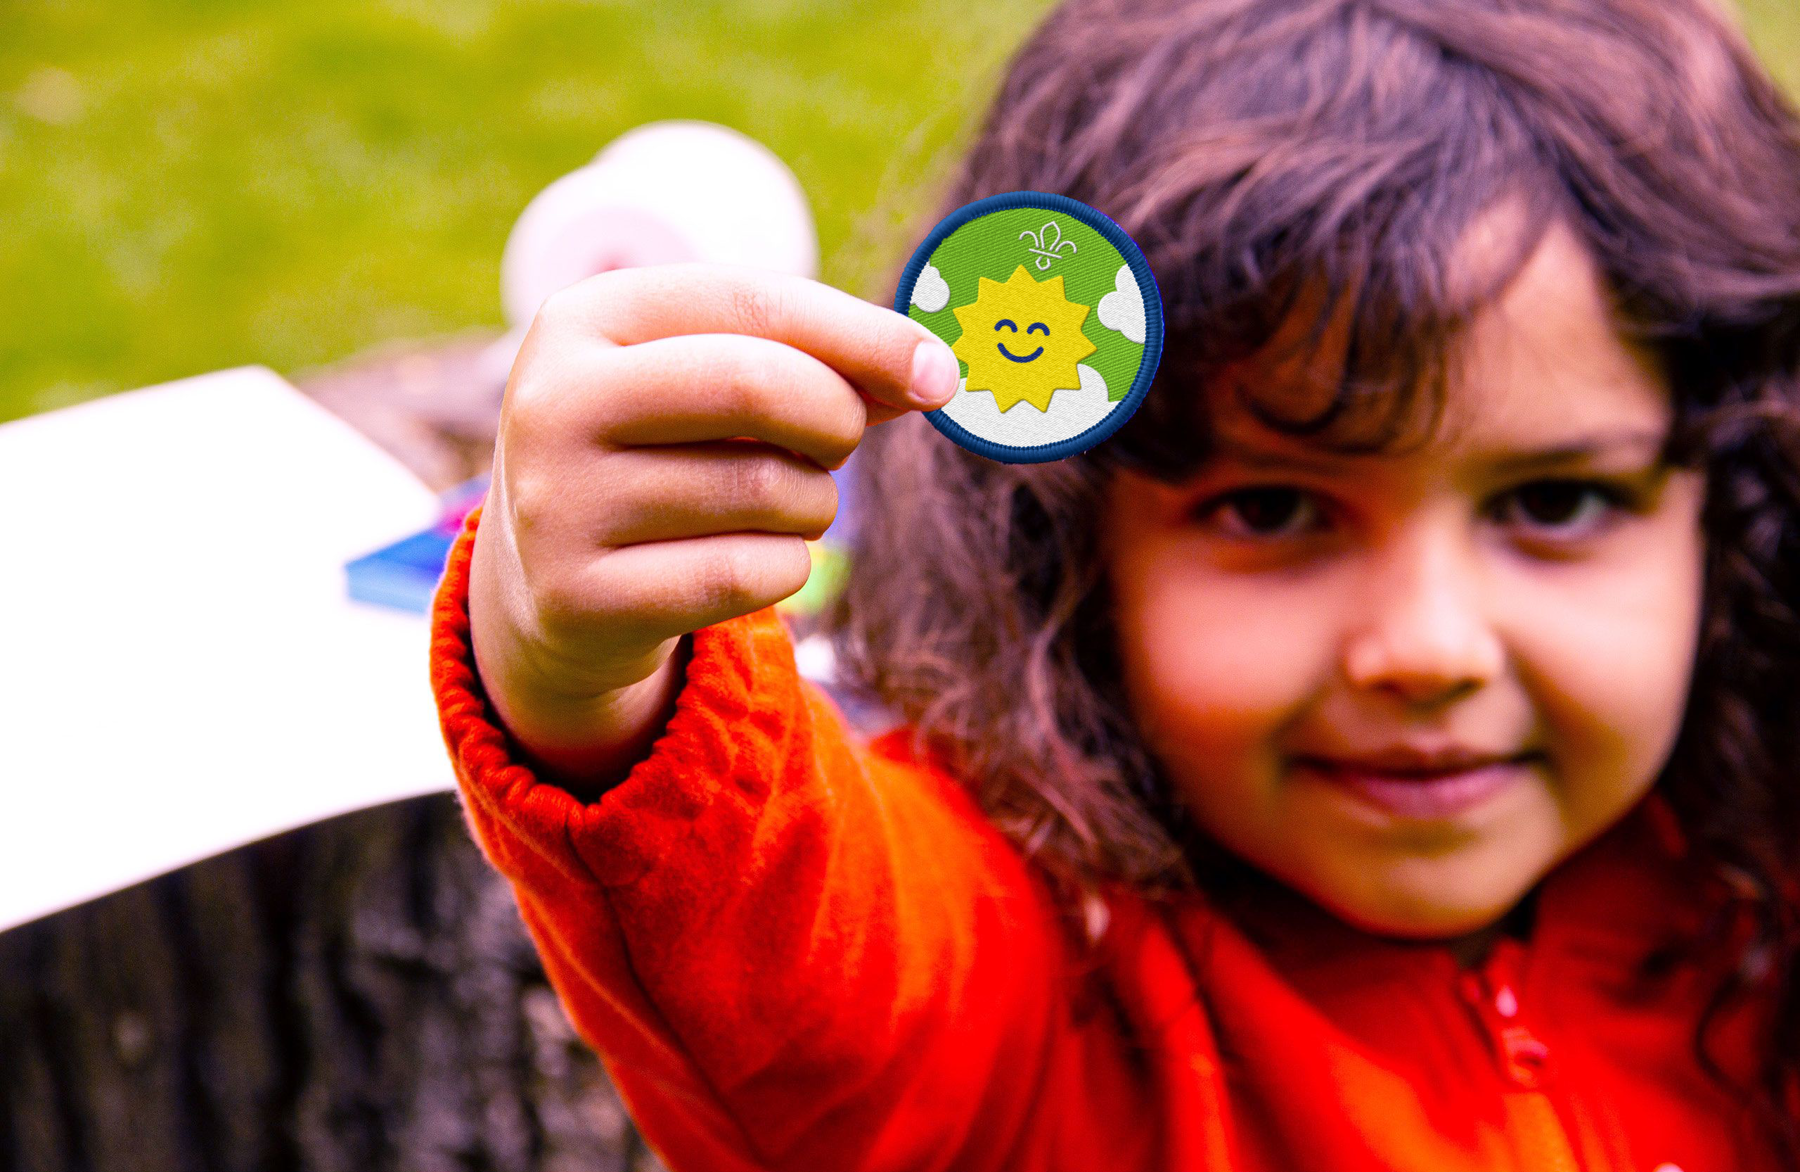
(181, 671)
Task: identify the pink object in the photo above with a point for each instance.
(663, 193)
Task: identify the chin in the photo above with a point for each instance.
(1413, 914)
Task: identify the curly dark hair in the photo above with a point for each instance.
(1261, 151)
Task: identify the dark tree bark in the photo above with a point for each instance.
(355, 994)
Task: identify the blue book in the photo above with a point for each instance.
(404, 575)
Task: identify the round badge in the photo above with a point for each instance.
(1053, 315)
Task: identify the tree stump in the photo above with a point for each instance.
(351, 995)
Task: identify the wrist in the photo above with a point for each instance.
(587, 745)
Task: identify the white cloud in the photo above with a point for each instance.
(1091, 382)
(1123, 308)
(1024, 426)
(931, 292)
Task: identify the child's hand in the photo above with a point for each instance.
(623, 514)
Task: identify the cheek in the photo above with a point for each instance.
(1606, 651)
(1216, 664)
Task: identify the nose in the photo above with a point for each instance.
(1423, 633)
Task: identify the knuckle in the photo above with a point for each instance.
(532, 497)
(884, 350)
(558, 311)
(583, 609)
(530, 416)
(759, 480)
(667, 603)
(748, 371)
(594, 306)
(755, 306)
(885, 345)
(563, 603)
(729, 580)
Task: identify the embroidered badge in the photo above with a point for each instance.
(1054, 318)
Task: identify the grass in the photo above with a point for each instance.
(189, 186)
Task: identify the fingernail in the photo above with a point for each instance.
(934, 374)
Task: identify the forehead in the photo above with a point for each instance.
(1543, 365)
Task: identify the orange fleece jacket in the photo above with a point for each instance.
(794, 950)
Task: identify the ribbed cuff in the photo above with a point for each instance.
(733, 722)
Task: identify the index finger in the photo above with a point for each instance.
(887, 355)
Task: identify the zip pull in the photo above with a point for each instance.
(1492, 991)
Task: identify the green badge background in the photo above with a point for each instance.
(991, 247)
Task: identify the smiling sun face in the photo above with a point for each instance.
(1022, 339)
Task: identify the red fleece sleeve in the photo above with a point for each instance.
(791, 951)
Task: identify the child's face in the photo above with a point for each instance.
(1438, 600)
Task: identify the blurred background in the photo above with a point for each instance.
(191, 186)
(333, 980)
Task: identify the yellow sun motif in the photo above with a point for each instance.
(1022, 339)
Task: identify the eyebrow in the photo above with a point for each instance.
(1571, 452)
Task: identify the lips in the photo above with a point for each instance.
(1404, 761)
(1410, 783)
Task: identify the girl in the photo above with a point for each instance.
(1376, 755)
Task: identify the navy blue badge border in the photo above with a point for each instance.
(1153, 322)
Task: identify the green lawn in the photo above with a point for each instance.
(187, 186)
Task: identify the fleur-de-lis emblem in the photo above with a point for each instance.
(1047, 243)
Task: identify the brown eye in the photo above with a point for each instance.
(1563, 505)
(1264, 511)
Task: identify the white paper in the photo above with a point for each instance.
(181, 671)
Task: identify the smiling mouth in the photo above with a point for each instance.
(1419, 792)
(1015, 357)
